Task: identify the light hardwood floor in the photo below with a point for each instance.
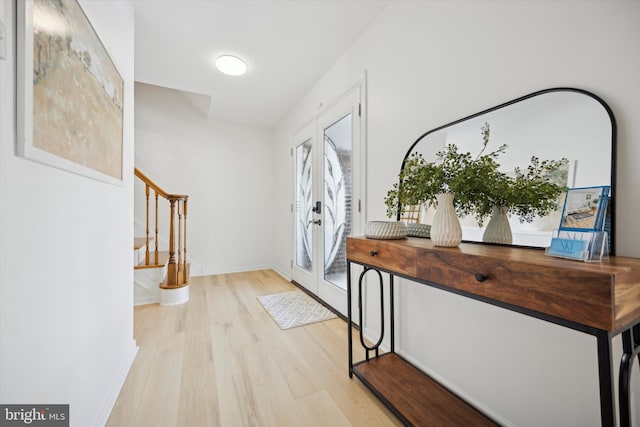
(220, 360)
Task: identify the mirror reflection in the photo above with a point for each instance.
(550, 125)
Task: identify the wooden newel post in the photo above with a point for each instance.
(180, 208)
(185, 270)
(156, 224)
(146, 249)
(172, 272)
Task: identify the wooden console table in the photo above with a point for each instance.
(600, 299)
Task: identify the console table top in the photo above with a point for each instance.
(603, 295)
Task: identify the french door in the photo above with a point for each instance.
(326, 156)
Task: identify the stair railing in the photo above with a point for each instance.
(177, 269)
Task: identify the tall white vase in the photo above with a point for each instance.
(498, 229)
(446, 230)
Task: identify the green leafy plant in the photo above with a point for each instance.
(528, 194)
(452, 172)
(477, 183)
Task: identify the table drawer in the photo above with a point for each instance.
(581, 296)
(386, 255)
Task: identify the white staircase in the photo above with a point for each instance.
(148, 278)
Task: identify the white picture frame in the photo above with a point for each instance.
(70, 97)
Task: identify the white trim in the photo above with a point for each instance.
(109, 401)
(231, 270)
(24, 103)
(281, 273)
(362, 156)
(145, 301)
(360, 80)
(176, 296)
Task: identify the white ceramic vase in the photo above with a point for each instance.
(498, 229)
(446, 230)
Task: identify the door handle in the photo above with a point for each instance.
(318, 222)
(317, 208)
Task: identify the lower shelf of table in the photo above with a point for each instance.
(416, 398)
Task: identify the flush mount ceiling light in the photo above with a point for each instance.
(231, 65)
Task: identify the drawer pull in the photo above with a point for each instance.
(373, 253)
(481, 277)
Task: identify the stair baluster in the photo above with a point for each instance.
(180, 202)
(156, 224)
(177, 269)
(172, 273)
(146, 245)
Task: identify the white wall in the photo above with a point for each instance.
(66, 276)
(429, 63)
(226, 169)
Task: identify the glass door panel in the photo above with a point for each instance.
(337, 199)
(304, 205)
(338, 144)
(326, 181)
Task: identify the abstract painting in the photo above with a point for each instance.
(71, 93)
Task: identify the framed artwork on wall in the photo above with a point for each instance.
(70, 93)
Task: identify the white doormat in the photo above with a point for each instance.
(295, 308)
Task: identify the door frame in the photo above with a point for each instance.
(312, 129)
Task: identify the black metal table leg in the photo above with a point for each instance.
(630, 350)
(349, 333)
(636, 338)
(605, 374)
(608, 407)
(375, 347)
(392, 315)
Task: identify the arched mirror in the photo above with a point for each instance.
(550, 124)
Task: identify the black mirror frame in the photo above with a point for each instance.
(612, 204)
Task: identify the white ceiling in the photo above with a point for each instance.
(287, 44)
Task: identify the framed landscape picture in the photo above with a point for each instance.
(70, 93)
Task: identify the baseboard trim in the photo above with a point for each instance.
(281, 273)
(112, 395)
(231, 270)
(145, 301)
